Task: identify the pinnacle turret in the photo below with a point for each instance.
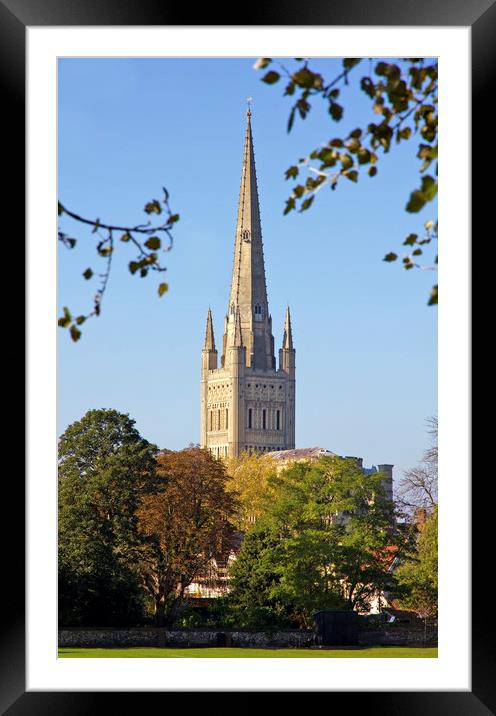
(287, 341)
(209, 334)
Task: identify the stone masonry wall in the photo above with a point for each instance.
(153, 637)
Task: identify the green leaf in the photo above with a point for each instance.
(262, 63)
(372, 171)
(80, 320)
(381, 68)
(60, 209)
(416, 202)
(352, 176)
(346, 161)
(133, 266)
(173, 218)
(163, 288)
(88, 274)
(390, 257)
(307, 78)
(363, 156)
(292, 172)
(64, 321)
(153, 207)
(126, 237)
(75, 333)
(153, 243)
(336, 111)
(350, 62)
(307, 203)
(271, 77)
(290, 205)
(429, 187)
(410, 240)
(433, 297)
(368, 86)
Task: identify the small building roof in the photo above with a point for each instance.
(300, 453)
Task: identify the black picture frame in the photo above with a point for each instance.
(15, 17)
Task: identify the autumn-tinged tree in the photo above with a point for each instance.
(184, 524)
(250, 475)
(105, 467)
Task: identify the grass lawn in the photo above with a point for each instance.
(374, 652)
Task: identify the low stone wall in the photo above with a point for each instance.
(399, 636)
(149, 636)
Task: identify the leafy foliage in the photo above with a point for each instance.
(418, 576)
(249, 481)
(404, 100)
(104, 468)
(325, 540)
(147, 258)
(184, 524)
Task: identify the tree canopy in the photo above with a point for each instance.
(104, 468)
(325, 540)
(184, 524)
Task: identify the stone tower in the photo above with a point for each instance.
(248, 403)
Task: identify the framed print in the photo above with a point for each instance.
(53, 51)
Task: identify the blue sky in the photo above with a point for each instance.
(366, 341)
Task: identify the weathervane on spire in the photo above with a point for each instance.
(249, 101)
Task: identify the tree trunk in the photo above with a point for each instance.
(159, 611)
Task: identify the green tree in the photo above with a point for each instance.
(418, 576)
(331, 539)
(404, 105)
(104, 468)
(256, 570)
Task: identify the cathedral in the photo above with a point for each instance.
(248, 401)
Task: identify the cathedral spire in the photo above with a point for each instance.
(248, 287)
(287, 341)
(209, 333)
